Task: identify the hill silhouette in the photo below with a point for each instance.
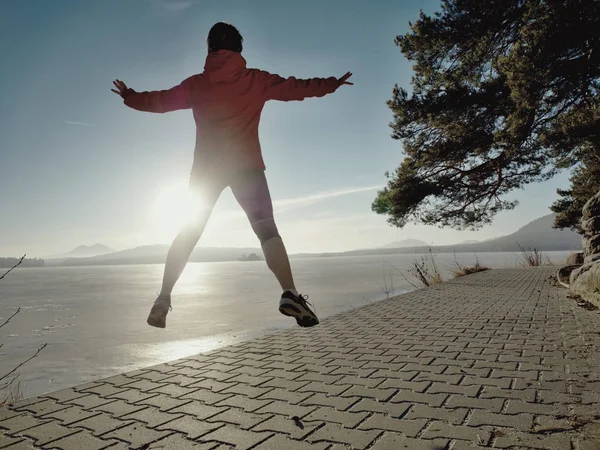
(84, 251)
(537, 234)
(405, 243)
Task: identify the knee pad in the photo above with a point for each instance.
(265, 229)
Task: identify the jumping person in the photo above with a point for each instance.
(227, 99)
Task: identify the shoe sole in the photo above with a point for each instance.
(157, 318)
(156, 322)
(303, 320)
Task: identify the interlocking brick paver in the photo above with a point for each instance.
(147, 385)
(247, 404)
(358, 439)
(136, 435)
(410, 428)
(373, 406)
(280, 442)
(20, 423)
(70, 415)
(444, 378)
(416, 397)
(556, 386)
(519, 407)
(119, 408)
(172, 390)
(131, 395)
(179, 442)
(90, 401)
(22, 445)
(47, 432)
(438, 429)
(503, 383)
(326, 414)
(555, 441)
(520, 421)
(443, 388)
(395, 441)
(197, 409)
(82, 440)
(466, 445)
(375, 393)
(253, 392)
(207, 396)
(277, 407)
(163, 402)
(190, 426)
(460, 401)
(501, 359)
(453, 416)
(239, 417)
(6, 441)
(45, 406)
(213, 385)
(153, 376)
(100, 424)
(122, 379)
(395, 383)
(558, 397)
(319, 399)
(291, 385)
(104, 389)
(285, 395)
(152, 416)
(330, 389)
(64, 395)
(241, 439)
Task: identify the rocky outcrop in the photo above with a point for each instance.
(575, 258)
(585, 280)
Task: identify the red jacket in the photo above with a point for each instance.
(227, 100)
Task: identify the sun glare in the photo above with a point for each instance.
(174, 207)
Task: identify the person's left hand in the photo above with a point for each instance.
(122, 88)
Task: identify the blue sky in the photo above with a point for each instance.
(78, 167)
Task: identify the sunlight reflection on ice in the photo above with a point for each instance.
(189, 347)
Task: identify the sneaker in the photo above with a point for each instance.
(297, 307)
(158, 313)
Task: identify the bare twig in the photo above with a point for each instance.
(426, 270)
(8, 320)
(15, 393)
(7, 384)
(404, 276)
(387, 290)
(531, 257)
(13, 267)
(23, 363)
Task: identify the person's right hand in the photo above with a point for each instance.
(343, 79)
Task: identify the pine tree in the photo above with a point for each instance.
(504, 93)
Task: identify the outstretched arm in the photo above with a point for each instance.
(178, 97)
(287, 89)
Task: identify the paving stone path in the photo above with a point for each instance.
(502, 359)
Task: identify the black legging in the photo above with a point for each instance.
(251, 191)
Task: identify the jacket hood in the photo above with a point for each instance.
(223, 64)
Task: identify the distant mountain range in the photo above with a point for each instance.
(405, 243)
(538, 234)
(153, 254)
(86, 251)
